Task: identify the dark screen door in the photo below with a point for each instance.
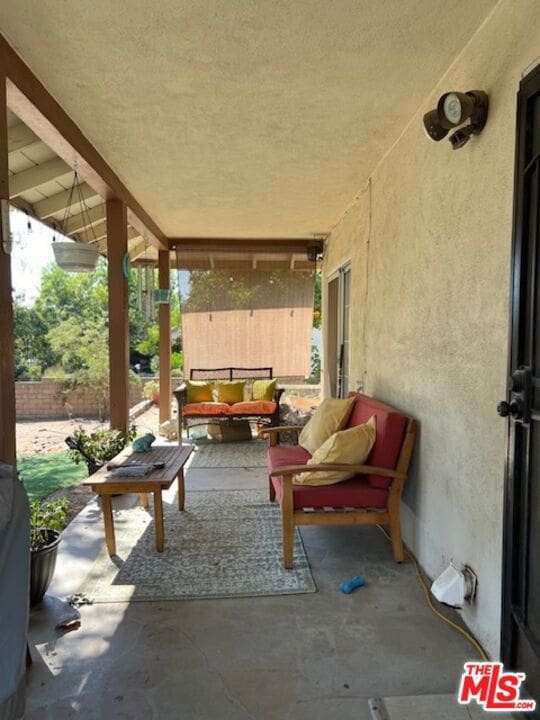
(521, 567)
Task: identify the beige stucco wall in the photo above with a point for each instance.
(432, 233)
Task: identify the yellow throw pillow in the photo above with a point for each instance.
(347, 447)
(329, 417)
(199, 391)
(231, 392)
(263, 390)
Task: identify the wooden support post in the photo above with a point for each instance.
(7, 359)
(164, 340)
(117, 242)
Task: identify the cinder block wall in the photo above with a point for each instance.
(45, 399)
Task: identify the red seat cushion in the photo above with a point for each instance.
(205, 408)
(355, 493)
(253, 407)
(390, 430)
(283, 455)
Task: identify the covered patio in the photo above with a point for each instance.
(315, 655)
(264, 138)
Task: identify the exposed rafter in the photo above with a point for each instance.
(59, 202)
(20, 136)
(37, 108)
(138, 250)
(82, 220)
(39, 175)
(96, 232)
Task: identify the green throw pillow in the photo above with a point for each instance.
(231, 392)
(263, 389)
(199, 391)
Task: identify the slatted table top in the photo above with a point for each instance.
(174, 458)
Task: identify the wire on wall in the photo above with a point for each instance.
(366, 293)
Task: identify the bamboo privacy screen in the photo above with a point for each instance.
(248, 319)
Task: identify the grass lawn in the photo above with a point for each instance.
(43, 474)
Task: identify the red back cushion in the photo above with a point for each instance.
(390, 430)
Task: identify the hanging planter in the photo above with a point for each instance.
(75, 256)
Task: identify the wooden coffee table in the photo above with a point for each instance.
(105, 485)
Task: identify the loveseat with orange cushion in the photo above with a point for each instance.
(371, 492)
(236, 403)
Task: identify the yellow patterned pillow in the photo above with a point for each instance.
(199, 391)
(231, 392)
(263, 389)
(329, 417)
(347, 447)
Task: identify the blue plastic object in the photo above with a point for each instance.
(144, 443)
(356, 582)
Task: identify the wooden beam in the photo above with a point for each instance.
(138, 249)
(36, 107)
(117, 232)
(164, 281)
(291, 262)
(7, 356)
(19, 137)
(26, 180)
(85, 219)
(247, 246)
(58, 203)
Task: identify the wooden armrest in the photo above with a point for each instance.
(360, 469)
(280, 428)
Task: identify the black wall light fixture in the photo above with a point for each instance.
(452, 111)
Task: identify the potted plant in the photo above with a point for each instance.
(47, 520)
(97, 447)
(151, 391)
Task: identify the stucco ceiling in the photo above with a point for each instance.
(241, 119)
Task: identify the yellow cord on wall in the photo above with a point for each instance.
(474, 642)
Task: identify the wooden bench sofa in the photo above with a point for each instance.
(261, 411)
(373, 496)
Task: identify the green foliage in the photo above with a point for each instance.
(317, 301)
(150, 345)
(101, 445)
(177, 360)
(83, 352)
(44, 517)
(82, 296)
(151, 390)
(33, 352)
(315, 375)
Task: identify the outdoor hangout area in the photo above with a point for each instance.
(269, 362)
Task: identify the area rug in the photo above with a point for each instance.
(227, 543)
(230, 455)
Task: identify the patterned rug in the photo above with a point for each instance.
(227, 543)
(230, 455)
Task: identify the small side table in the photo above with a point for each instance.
(104, 484)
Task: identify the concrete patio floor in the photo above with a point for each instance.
(320, 655)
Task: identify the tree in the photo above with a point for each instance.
(73, 295)
(83, 354)
(33, 352)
